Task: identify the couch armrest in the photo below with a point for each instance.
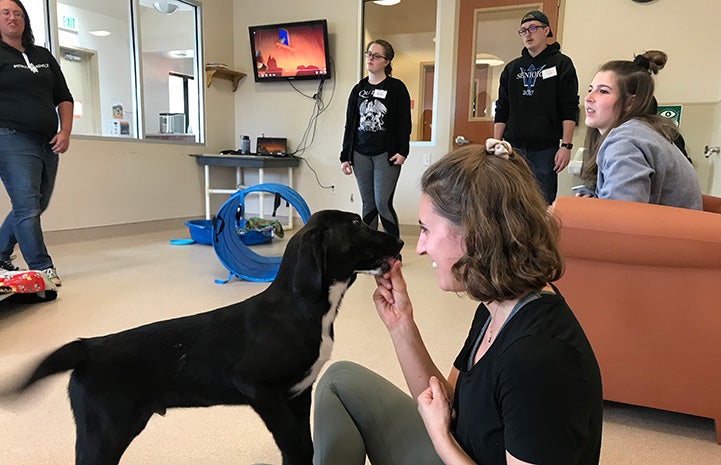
(638, 233)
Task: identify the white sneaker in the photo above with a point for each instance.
(53, 277)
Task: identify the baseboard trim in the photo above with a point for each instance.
(67, 236)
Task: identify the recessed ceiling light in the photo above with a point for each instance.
(488, 59)
(386, 2)
(165, 7)
(99, 33)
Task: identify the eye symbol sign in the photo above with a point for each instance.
(672, 112)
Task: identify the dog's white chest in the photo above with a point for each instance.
(335, 295)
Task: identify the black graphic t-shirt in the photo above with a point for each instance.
(378, 119)
(372, 127)
(30, 91)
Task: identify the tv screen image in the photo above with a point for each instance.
(290, 51)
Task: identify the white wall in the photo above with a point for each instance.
(596, 31)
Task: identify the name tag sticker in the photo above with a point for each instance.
(380, 93)
(549, 73)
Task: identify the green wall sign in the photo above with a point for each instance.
(672, 112)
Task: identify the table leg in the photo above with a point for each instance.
(290, 210)
(261, 173)
(207, 192)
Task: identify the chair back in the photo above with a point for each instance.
(711, 203)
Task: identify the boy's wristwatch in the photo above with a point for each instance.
(567, 145)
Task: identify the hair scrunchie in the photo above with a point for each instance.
(499, 148)
(643, 62)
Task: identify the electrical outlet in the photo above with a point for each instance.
(426, 159)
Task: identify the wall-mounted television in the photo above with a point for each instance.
(297, 50)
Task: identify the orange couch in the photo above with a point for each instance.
(645, 283)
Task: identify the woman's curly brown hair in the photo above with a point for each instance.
(511, 239)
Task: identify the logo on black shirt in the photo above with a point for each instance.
(529, 77)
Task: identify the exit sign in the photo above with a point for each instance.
(70, 23)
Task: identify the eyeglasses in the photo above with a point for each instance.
(532, 28)
(375, 56)
(7, 13)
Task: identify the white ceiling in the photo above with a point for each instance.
(115, 8)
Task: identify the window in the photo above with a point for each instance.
(122, 76)
(36, 12)
(170, 85)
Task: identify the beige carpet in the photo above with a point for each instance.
(114, 284)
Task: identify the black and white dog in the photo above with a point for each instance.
(265, 352)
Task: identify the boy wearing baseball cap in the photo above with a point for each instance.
(537, 105)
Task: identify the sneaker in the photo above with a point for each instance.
(53, 277)
(7, 265)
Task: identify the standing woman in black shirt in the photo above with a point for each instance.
(32, 87)
(377, 136)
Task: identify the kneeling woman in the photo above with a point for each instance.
(525, 386)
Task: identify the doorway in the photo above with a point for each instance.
(428, 71)
(80, 68)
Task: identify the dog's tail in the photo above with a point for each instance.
(63, 359)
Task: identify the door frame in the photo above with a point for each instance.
(89, 67)
(427, 68)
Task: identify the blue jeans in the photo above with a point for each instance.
(28, 168)
(541, 163)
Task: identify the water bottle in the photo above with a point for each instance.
(245, 145)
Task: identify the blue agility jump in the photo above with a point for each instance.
(232, 252)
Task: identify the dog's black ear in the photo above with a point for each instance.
(310, 266)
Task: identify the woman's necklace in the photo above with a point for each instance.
(494, 318)
(490, 325)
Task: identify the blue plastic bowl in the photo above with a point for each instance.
(201, 231)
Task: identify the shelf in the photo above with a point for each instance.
(223, 73)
